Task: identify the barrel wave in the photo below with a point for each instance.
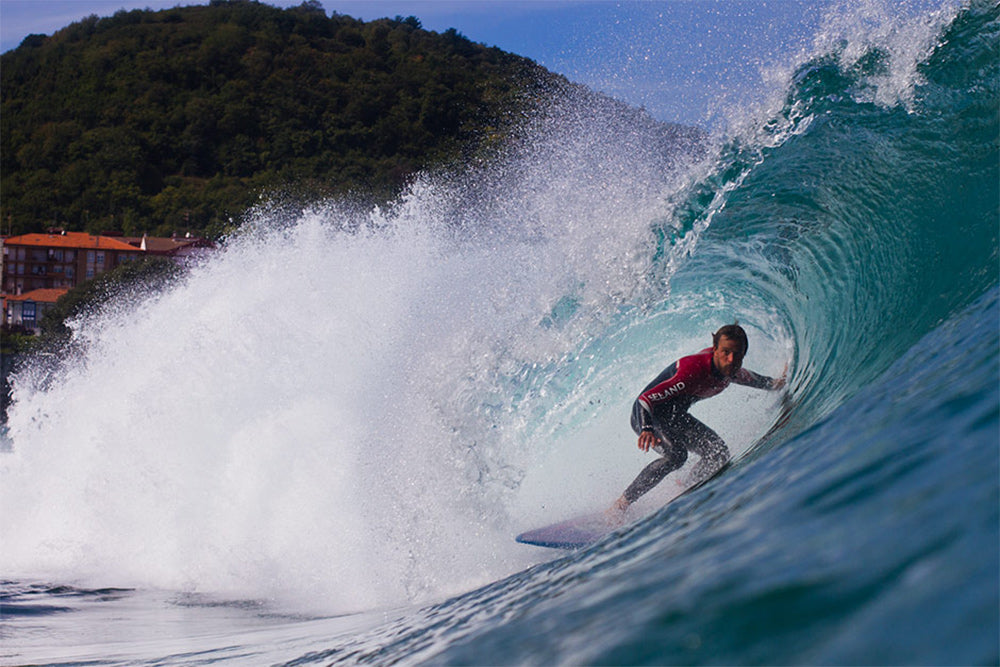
(355, 454)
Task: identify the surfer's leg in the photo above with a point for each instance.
(673, 458)
(707, 444)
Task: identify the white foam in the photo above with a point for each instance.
(338, 407)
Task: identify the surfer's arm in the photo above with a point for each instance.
(647, 438)
(668, 386)
(758, 381)
(665, 387)
(642, 422)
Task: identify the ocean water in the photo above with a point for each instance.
(317, 447)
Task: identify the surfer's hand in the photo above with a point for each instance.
(779, 383)
(647, 441)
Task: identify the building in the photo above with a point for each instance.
(60, 260)
(25, 311)
(65, 259)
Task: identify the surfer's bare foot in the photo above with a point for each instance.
(616, 513)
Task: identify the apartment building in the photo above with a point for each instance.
(25, 311)
(60, 259)
(64, 259)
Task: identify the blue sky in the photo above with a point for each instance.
(675, 58)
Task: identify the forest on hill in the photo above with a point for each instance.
(178, 120)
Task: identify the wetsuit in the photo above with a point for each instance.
(662, 408)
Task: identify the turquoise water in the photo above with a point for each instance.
(851, 226)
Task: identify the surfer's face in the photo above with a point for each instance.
(728, 356)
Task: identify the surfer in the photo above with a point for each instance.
(660, 415)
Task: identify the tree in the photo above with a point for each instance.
(112, 122)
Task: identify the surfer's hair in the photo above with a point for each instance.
(733, 331)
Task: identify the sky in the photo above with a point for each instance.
(678, 59)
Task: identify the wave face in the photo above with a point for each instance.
(355, 410)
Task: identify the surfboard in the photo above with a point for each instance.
(570, 534)
(586, 529)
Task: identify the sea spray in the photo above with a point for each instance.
(340, 405)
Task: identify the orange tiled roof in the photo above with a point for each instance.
(69, 240)
(49, 295)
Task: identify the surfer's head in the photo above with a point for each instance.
(729, 346)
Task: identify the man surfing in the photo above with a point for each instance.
(660, 415)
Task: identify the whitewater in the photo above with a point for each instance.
(316, 446)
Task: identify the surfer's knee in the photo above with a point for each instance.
(673, 454)
(654, 473)
(716, 451)
(664, 465)
(709, 446)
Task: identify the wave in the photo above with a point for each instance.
(863, 212)
(357, 408)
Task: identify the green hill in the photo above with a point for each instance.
(177, 120)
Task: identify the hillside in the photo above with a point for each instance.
(177, 120)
